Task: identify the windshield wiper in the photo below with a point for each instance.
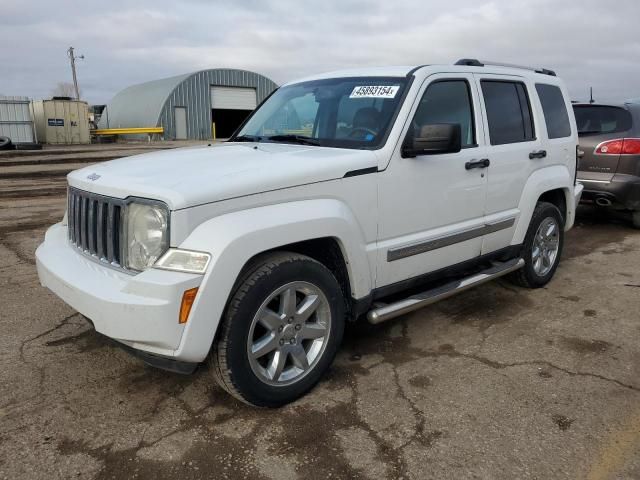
(246, 138)
(301, 139)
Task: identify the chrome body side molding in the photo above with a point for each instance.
(405, 251)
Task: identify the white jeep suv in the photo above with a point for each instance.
(339, 192)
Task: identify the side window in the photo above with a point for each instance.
(555, 111)
(508, 112)
(447, 101)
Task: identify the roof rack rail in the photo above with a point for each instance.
(473, 62)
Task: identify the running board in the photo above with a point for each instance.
(393, 310)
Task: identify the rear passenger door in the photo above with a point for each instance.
(511, 133)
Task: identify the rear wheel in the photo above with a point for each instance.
(542, 247)
(281, 330)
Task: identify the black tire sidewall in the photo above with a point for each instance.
(542, 211)
(239, 321)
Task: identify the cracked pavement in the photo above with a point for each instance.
(496, 383)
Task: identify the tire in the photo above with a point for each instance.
(262, 293)
(635, 219)
(5, 143)
(533, 274)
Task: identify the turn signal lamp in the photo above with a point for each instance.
(188, 297)
(187, 261)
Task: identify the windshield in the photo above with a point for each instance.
(337, 112)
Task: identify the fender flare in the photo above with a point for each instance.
(234, 238)
(554, 177)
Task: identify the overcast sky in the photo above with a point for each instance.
(588, 42)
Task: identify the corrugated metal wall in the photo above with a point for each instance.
(15, 119)
(194, 93)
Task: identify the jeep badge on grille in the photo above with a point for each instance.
(93, 177)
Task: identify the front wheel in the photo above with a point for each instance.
(542, 247)
(281, 330)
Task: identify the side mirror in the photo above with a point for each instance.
(434, 138)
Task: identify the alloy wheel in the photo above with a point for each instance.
(546, 244)
(289, 333)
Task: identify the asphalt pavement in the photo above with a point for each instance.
(497, 383)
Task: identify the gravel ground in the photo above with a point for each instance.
(497, 383)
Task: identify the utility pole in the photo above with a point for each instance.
(73, 58)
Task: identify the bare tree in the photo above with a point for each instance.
(64, 89)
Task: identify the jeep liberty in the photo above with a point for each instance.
(364, 193)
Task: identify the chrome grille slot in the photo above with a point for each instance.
(94, 225)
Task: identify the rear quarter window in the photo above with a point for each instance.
(601, 119)
(555, 111)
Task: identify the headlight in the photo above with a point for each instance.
(146, 234)
(184, 261)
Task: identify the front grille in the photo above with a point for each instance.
(94, 225)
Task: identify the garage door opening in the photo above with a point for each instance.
(227, 120)
(230, 106)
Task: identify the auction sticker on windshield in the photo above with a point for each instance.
(375, 91)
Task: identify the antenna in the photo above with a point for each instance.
(591, 100)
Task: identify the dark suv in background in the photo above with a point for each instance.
(609, 156)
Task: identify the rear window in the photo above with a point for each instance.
(555, 111)
(600, 119)
(508, 112)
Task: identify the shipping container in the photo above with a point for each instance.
(62, 122)
(15, 119)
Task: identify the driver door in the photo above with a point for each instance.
(432, 206)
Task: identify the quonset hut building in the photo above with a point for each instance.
(187, 106)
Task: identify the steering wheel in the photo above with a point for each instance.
(362, 129)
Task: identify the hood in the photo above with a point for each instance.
(193, 176)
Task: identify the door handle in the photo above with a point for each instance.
(483, 163)
(538, 154)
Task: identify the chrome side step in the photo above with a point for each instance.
(392, 310)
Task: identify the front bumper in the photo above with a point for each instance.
(623, 191)
(140, 311)
(160, 361)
